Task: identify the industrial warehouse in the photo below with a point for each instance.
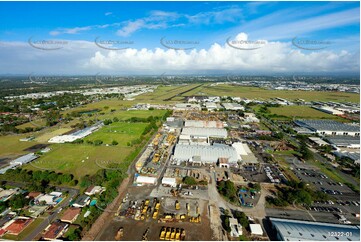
(294, 230)
(329, 127)
(205, 154)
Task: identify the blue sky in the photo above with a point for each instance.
(202, 27)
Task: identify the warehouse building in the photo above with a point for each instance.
(204, 124)
(329, 127)
(355, 156)
(294, 230)
(233, 106)
(344, 142)
(60, 139)
(329, 110)
(205, 132)
(169, 181)
(203, 154)
(187, 106)
(244, 153)
(211, 106)
(24, 159)
(145, 180)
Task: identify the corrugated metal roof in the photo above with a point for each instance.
(315, 231)
(207, 132)
(327, 125)
(208, 154)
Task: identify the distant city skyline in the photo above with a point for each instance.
(150, 38)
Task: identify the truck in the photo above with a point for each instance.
(172, 235)
(119, 234)
(177, 205)
(167, 235)
(162, 233)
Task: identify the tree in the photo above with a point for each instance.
(107, 121)
(242, 218)
(188, 180)
(97, 142)
(115, 119)
(75, 235)
(305, 152)
(114, 142)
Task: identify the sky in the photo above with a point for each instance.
(129, 38)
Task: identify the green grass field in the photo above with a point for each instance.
(123, 115)
(121, 132)
(79, 160)
(11, 146)
(302, 112)
(82, 159)
(255, 92)
(164, 92)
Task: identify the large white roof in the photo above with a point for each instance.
(203, 124)
(146, 179)
(256, 229)
(208, 154)
(206, 132)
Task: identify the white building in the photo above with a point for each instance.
(205, 132)
(24, 159)
(211, 106)
(169, 181)
(244, 153)
(187, 106)
(236, 228)
(233, 106)
(256, 229)
(205, 154)
(76, 135)
(250, 118)
(329, 110)
(203, 124)
(145, 180)
(329, 127)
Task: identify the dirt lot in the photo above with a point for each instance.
(133, 230)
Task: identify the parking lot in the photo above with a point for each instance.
(342, 199)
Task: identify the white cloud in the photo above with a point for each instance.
(84, 57)
(271, 57)
(75, 30)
